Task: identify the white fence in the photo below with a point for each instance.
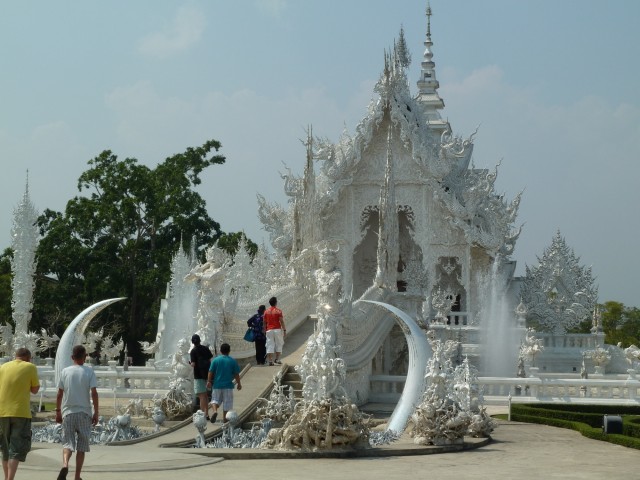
(132, 382)
(388, 388)
(145, 381)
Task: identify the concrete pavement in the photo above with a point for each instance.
(517, 450)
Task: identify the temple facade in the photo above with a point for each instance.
(409, 217)
(395, 212)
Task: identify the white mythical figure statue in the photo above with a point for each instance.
(325, 418)
(211, 280)
(531, 346)
(177, 401)
(632, 354)
(322, 368)
(181, 370)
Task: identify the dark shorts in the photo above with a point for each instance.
(15, 438)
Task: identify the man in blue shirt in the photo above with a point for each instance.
(222, 372)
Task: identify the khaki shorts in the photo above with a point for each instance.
(15, 438)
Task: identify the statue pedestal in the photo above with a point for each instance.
(599, 369)
(112, 364)
(533, 371)
(48, 362)
(632, 374)
(447, 441)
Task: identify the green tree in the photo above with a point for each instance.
(229, 242)
(5, 286)
(620, 324)
(118, 239)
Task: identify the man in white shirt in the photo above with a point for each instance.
(73, 409)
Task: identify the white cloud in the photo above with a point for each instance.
(186, 30)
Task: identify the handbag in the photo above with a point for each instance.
(248, 336)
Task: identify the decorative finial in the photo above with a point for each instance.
(429, 13)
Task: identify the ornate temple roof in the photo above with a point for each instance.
(440, 159)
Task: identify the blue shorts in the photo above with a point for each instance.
(199, 386)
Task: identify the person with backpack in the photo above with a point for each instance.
(259, 338)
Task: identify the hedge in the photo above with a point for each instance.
(586, 419)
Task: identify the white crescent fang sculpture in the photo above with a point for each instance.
(74, 331)
(419, 353)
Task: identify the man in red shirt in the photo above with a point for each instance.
(275, 331)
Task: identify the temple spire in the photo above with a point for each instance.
(387, 252)
(428, 84)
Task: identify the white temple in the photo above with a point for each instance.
(410, 222)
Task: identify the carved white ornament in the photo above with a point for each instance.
(559, 293)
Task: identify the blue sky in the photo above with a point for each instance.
(552, 84)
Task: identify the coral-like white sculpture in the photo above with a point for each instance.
(111, 349)
(24, 241)
(600, 356)
(442, 301)
(47, 342)
(280, 405)
(440, 419)
(158, 417)
(200, 422)
(468, 394)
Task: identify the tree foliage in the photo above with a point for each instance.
(229, 242)
(117, 238)
(5, 286)
(620, 324)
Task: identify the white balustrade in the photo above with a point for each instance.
(387, 388)
(135, 381)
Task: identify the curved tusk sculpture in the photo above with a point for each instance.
(419, 353)
(74, 331)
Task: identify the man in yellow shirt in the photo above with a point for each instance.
(18, 379)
